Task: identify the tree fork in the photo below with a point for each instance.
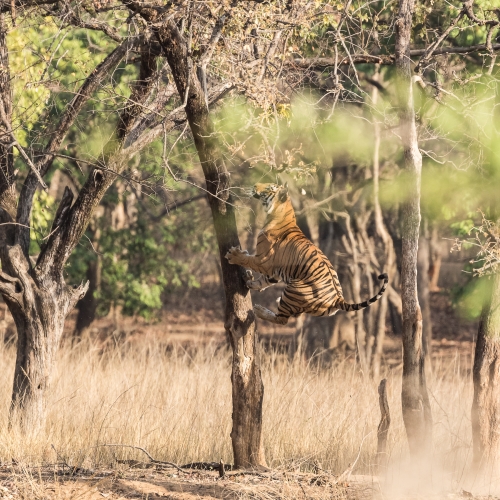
(37, 295)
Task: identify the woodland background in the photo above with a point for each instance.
(304, 92)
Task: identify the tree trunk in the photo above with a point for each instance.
(7, 177)
(87, 308)
(37, 295)
(435, 261)
(423, 295)
(316, 336)
(486, 378)
(383, 426)
(415, 400)
(39, 307)
(379, 334)
(247, 386)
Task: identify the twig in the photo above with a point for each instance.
(347, 473)
(3, 116)
(432, 48)
(156, 462)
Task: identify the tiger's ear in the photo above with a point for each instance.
(283, 194)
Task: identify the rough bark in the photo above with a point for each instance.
(39, 315)
(486, 378)
(7, 188)
(415, 400)
(247, 386)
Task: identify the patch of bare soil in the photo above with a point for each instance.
(50, 483)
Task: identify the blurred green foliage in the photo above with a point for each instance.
(142, 262)
(147, 258)
(304, 140)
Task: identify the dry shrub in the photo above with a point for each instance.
(176, 403)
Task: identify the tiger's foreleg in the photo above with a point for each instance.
(240, 257)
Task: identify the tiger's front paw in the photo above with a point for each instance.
(249, 279)
(236, 255)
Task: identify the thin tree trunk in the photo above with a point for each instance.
(247, 386)
(87, 308)
(379, 336)
(486, 378)
(383, 426)
(423, 295)
(435, 261)
(355, 282)
(415, 400)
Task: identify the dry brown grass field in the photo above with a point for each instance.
(174, 400)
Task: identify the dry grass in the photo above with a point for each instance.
(177, 405)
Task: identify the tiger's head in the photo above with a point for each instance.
(272, 196)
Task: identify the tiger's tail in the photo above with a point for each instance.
(344, 306)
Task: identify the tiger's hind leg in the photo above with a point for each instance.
(286, 308)
(263, 313)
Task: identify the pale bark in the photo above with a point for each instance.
(379, 334)
(384, 424)
(435, 261)
(415, 400)
(423, 294)
(486, 378)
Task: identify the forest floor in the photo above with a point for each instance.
(170, 484)
(191, 321)
(151, 484)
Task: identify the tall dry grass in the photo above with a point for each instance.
(177, 404)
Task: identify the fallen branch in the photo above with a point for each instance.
(153, 461)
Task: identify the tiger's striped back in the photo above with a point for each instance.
(284, 253)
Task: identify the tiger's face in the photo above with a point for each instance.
(271, 195)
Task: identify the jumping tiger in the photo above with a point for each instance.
(285, 254)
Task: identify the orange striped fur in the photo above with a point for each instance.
(285, 254)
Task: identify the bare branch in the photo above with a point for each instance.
(23, 5)
(74, 19)
(23, 153)
(432, 48)
(214, 39)
(270, 53)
